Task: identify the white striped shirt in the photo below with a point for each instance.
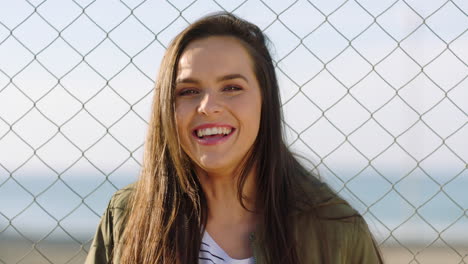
(211, 253)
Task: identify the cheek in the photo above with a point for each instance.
(181, 118)
(181, 113)
(179, 121)
(256, 106)
(250, 110)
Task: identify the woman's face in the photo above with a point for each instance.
(218, 103)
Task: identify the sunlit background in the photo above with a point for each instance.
(375, 95)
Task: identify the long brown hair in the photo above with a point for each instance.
(168, 210)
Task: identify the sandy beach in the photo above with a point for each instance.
(17, 252)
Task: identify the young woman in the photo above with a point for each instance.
(218, 184)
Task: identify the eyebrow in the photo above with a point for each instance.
(220, 79)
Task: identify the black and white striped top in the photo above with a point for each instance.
(211, 253)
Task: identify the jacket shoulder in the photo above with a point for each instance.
(317, 198)
(332, 206)
(329, 227)
(120, 199)
(110, 228)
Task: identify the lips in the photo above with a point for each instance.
(212, 134)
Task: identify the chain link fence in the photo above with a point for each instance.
(375, 93)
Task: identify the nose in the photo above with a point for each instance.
(209, 105)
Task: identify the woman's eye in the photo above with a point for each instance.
(232, 88)
(186, 92)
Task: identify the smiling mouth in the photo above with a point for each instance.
(213, 132)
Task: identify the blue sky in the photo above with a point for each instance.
(339, 65)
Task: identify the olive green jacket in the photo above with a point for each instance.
(348, 239)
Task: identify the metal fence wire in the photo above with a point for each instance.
(375, 93)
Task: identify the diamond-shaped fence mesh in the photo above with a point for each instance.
(375, 94)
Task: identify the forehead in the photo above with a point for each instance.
(217, 55)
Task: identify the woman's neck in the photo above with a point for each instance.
(224, 207)
(228, 222)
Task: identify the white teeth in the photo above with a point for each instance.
(213, 131)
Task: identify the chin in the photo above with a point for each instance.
(216, 166)
(213, 168)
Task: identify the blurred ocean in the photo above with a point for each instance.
(416, 208)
